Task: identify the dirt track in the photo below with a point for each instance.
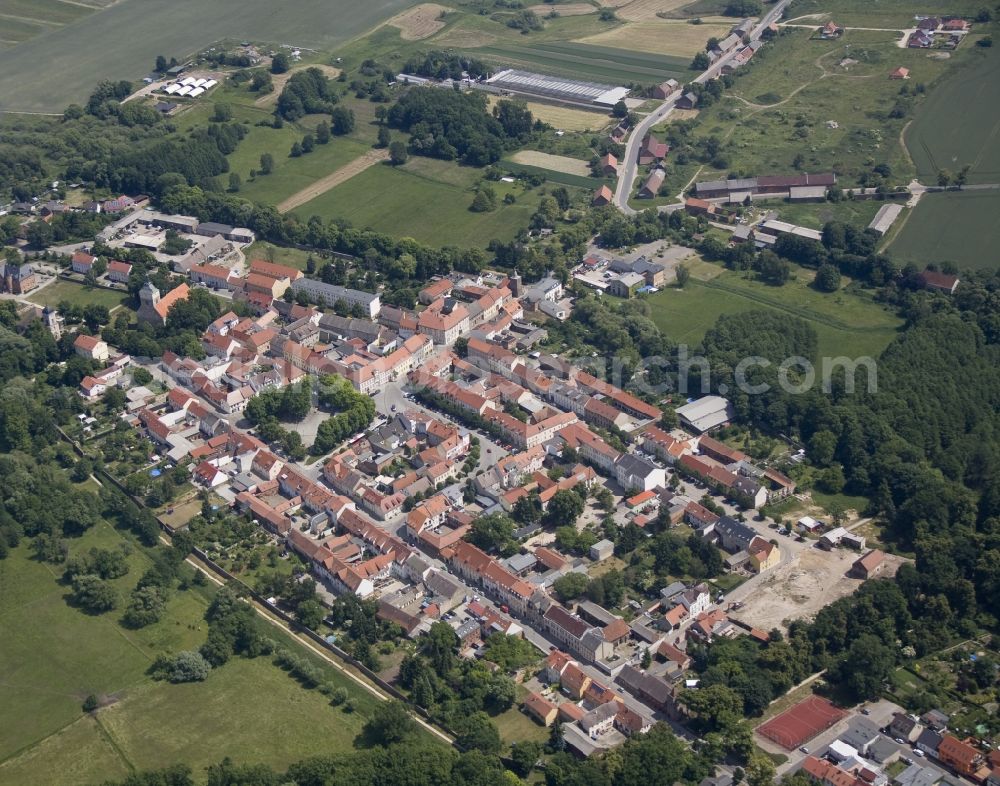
(334, 179)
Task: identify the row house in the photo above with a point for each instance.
(665, 446)
(445, 321)
(579, 637)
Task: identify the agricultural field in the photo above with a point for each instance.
(846, 323)
(144, 724)
(959, 123)
(76, 54)
(564, 118)
(827, 102)
(679, 39)
(421, 21)
(427, 200)
(77, 295)
(891, 14)
(602, 64)
(569, 166)
(21, 20)
(952, 226)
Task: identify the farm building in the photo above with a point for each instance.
(941, 282)
(603, 196)
(666, 89)
(557, 87)
(804, 185)
(651, 188)
(778, 228)
(652, 149)
(900, 73)
(885, 218)
(687, 101)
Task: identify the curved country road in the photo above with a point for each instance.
(630, 164)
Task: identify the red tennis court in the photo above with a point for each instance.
(801, 723)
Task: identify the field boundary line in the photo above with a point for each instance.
(340, 175)
(113, 743)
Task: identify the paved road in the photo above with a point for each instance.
(392, 396)
(630, 165)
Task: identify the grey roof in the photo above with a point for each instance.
(929, 740)
(635, 465)
(636, 681)
(214, 227)
(917, 775)
(595, 612)
(442, 584)
(673, 589)
(599, 715)
(520, 562)
(860, 733)
(734, 529)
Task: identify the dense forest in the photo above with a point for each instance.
(455, 125)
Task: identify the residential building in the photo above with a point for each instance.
(542, 710)
(91, 347)
(960, 755)
(637, 473)
(330, 294)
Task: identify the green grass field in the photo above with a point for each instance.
(960, 227)
(815, 215)
(427, 200)
(883, 13)
(959, 124)
(846, 324)
(49, 71)
(76, 294)
(52, 656)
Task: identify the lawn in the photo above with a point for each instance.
(960, 227)
(77, 294)
(77, 54)
(958, 124)
(427, 200)
(846, 324)
(52, 656)
(856, 213)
